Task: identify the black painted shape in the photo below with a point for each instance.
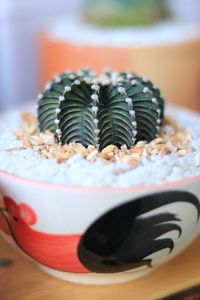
(122, 238)
(4, 262)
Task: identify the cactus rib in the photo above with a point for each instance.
(115, 108)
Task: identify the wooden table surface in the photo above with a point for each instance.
(22, 280)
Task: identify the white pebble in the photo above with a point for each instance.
(92, 154)
(197, 160)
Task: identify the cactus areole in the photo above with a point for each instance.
(114, 108)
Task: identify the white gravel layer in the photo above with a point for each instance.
(79, 172)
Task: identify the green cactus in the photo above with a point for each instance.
(112, 13)
(115, 108)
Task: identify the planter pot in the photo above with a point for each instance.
(99, 235)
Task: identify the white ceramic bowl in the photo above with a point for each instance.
(99, 235)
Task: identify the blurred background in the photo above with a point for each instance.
(159, 39)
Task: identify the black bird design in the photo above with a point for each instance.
(123, 237)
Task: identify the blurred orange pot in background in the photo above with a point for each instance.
(174, 68)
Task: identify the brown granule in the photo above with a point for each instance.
(173, 138)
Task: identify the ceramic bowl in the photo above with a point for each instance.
(99, 235)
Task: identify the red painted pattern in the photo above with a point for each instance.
(57, 251)
(3, 225)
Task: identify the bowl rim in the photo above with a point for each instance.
(99, 189)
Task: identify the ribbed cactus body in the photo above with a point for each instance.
(115, 108)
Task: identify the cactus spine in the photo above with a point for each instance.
(115, 108)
